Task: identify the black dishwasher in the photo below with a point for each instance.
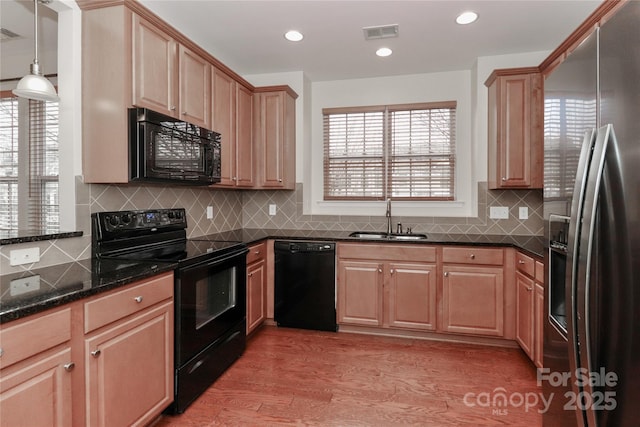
(305, 285)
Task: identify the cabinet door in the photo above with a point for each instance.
(360, 293)
(37, 393)
(256, 298)
(154, 68)
(538, 308)
(473, 300)
(514, 142)
(224, 122)
(412, 296)
(245, 164)
(195, 83)
(129, 369)
(524, 313)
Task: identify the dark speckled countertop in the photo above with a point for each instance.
(533, 245)
(29, 292)
(21, 294)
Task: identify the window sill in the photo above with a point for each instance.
(10, 237)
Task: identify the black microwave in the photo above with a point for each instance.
(166, 149)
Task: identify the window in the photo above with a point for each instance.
(28, 165)
(402, 152)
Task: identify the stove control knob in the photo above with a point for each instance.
(114, 220)
(126, 219)
(171, 215)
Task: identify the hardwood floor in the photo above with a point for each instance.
(311, 378)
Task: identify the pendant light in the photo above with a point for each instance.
(35, 85)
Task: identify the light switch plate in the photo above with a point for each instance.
(523, 212)
(209, 212)
(24, 256)
(272, 209)
(499, 212)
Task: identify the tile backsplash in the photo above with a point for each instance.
(249, 209)
(289, 215)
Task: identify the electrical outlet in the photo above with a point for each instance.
(24, 285)
(499, 212)
(24, 256)
(209, 212)
(523, 212)
(272, 210)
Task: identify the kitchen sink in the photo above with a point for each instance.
(374, 235)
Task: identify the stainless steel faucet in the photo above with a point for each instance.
(388, 215)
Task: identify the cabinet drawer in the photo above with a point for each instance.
(525, 264)
(109, 308)
(539, 272)
(473, 255)
(257, 252)
(32, 336)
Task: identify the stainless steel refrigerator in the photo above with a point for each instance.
(591, 371)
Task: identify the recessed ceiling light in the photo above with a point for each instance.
(384, 51)
(466, 18)
(293, 35)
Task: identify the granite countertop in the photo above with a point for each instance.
(33, 291)
(534, 245)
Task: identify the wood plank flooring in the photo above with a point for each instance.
(311, 378)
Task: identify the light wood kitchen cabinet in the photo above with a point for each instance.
(473, 292)
(128, 353)
(530, 306)
(232, 118)
(390, 286)
(515, 157)
(36, 369)
(195, 88)
(275, 138)
(360, 292)
(256, 286)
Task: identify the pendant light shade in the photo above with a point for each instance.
(35, 85)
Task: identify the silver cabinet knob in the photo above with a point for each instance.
(1, 352)
(172, 108)
(520, 261)
(504, 179)
(391, 271)
(69, 366)
(279, 179)
(138, 299)
(446, 274)
(529, 289)
(379, 270)
(96, 353)
(472, 256)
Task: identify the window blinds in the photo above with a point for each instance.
(405, 152)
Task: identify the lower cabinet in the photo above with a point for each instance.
(36, 371)
(129, 354)
(530, 306)
(256, 286)
(473, 291)
(389, 286)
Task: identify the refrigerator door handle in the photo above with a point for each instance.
(584, 272)
(573, 257)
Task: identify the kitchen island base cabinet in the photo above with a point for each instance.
(473, 300)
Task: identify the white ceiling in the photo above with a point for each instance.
(248, 35)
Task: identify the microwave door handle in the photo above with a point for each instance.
(585, 279)
(572, 255)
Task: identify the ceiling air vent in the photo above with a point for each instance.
(380, 32)
(8, 34)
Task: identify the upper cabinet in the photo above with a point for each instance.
(515, 129)
(130, 57)
(275, 118)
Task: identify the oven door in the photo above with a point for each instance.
(210, 300)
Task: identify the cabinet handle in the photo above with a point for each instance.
(504, 179)
(279, 179)
(172, 108)
(446, 274)
(234, 179)
(257, 252)
(1, 352)
(391, 271)
(520, 261)
(69, 366)
(472, 256)
(96, 353)
(138, 299)
(379, 270)
(529, 289)
(250, 274)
